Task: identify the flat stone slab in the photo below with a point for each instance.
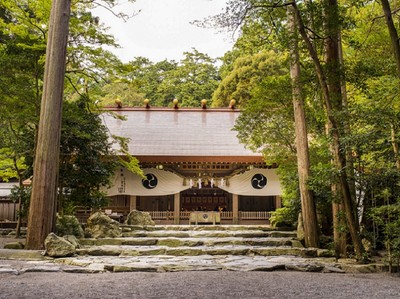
(203, 263)
(28, 255)
(168, 263)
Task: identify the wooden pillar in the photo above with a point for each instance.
(132, 203)
(177, 207)
(235, 208)
(278, 202)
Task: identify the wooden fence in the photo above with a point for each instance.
(8, 210)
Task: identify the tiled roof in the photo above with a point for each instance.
(178, 132)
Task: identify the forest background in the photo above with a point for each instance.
(325, 70)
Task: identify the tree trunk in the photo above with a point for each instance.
(396, 52)
(337, 92)
(393, 33)
(311, 234)
(338, 217)
(44, 186)
(395, 145)
(338, 155)
(19, 217)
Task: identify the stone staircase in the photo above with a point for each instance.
(197, 240)
(180, 248)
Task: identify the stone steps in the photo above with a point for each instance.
(211, 231)
(196, 248)
(191, 241)
(210, 234)
(197, 240)
(124, 250)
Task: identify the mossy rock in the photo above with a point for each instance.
(136, 217)
(99, 225)
(14, 245)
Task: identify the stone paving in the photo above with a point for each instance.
(159, 263)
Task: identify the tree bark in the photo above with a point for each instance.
(337, 95)
(393, 33)
(308, 208)
(338, 216)
(396, 52)
(338, 155)
(44, 185)
(19, 217)
(339, 236)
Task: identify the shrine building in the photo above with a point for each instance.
(192, 161)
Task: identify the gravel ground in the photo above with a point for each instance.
(218, 284)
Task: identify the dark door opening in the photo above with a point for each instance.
(205, 199)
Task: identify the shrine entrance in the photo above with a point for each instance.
(205, 199)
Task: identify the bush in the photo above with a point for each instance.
(69, 225)
(387, 217)
(283, 217)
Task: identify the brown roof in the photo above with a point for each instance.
(180, 132)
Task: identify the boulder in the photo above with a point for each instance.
(136, 217)
(73, 240)
(69, 225)
(58, 247)
(99, 225)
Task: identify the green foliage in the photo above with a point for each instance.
(194, 78)
(288, 214)
(264, 70)
(21, 194)
(86, 161)
(68, 225)
(283, 217)
(8, 169)
(126, 92)
(387, 217)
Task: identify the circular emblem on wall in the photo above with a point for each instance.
(150, 182)
(258, 181)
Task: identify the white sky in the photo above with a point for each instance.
(162, 29)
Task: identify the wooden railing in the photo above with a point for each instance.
(254, 215)
(161, 215)
(184, 215)
(226, 215)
